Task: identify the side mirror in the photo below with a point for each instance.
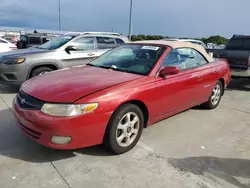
(170, 70)
(70, 48)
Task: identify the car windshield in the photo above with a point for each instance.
(55, 43)
(136, 59)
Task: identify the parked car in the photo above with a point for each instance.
(11, 38)
(211, 46)
(99, 33)
(237, 53)
(221, 46)
(32, 40)
(112, 99)
(6, 46)
(61, 52)
(188, 40)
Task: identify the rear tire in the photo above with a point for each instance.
(40, 70)
(124, 129)
(215, 97)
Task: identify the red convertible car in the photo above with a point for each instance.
(113, 98)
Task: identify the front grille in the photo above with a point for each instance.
(33, 134)
(28, 102)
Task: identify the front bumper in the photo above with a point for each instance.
(13, 74)
(240, 73)
(85, 130)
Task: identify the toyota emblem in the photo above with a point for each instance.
(22, 101)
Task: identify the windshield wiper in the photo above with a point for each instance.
(100, 66)
(113, 67)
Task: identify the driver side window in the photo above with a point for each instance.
(172, 59)
(184, 58)
(84, 43)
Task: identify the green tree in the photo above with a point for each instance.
(215, 39)
(212, 39)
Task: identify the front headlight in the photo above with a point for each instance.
(12, 61)
(67, 110)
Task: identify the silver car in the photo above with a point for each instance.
(188, 40)
(65, 51)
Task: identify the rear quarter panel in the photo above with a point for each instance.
(221, 70)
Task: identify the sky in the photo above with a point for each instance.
(178, 18)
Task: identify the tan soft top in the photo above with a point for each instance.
(178, 44)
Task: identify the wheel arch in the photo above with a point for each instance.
(51, 65)
(223, 84)
(143, 108)
(141, 105)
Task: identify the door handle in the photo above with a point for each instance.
(91, 54)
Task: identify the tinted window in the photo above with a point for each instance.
(246, 44)
(119, 41)
(56, 43)
(34, 40)
(45, 40)
(172, 59)
(235, 44)
(23, 38)
(105, 42)
(200, 58)
(137, 59)
(184, 58)
(85, 43)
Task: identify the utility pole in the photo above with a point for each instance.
(130, 19)
(59, 11)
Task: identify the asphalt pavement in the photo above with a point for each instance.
(194, 149)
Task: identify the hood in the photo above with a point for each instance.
(22, 52)
(68, 85)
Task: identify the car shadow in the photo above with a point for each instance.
(199, 107)
(14, 144)
(239, 84)
(226, 169)
(9, 89)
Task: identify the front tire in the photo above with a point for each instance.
(215, 97)
(124, 129)
(40, 71)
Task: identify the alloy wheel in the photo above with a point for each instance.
(127, 129)
(216, 95)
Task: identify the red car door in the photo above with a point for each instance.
(207, 77)
(178, 92)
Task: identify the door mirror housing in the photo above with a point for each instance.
(170, 70)
(70, 48)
